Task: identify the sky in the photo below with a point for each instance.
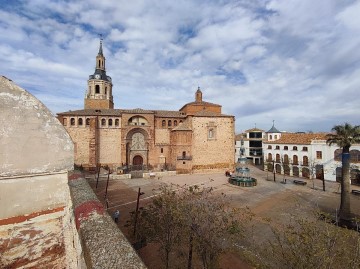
(296, 62)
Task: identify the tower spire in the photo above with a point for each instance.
(100, 48)
(99, 92)
(198, 95)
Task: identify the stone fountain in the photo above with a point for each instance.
(241, 176)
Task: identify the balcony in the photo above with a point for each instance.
(184, 158)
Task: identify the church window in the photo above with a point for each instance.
(105, 90)
(138, 120)
(181, 121)
(103, 122)
(286, 147)
(184, 154)
(97, 89)
(270, 137)
(275, 136)
(163, 123)
(161, 150)
(175, 122)
(269, 147)
(305, 149)
(318, 154)
(211, 133)
(110, 122)
(72, 121)
(277, 147)
(116, 122)
(64, 121)
(99, 63)
(169, 123)
(294, 147)
(87, 121)
(80, 121)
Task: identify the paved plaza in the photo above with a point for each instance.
(267, 198)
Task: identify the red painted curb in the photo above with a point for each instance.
(83, 211)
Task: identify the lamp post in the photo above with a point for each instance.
(137, 209)
(274, 169)
(323, 177)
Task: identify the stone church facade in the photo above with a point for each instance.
(196, 137)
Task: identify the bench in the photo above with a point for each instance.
(355, 192)
(300, 182)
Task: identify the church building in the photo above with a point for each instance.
(198, 137)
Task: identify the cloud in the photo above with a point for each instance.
(296, 62)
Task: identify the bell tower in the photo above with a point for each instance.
(99, 91)
(198, 95)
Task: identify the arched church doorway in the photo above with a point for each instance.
(137, 160)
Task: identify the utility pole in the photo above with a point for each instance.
(98, 174)
(106, 189)
(137, 209)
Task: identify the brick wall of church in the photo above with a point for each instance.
(192, 109)
(110, 147)
(215, 152)
(162, 136)
(81, 136)
(181, 143)
(98, 104)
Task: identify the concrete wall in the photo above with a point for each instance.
(103, 243)
(37, 228)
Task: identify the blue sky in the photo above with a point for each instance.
(296, 62)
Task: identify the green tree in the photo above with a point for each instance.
(344, 136)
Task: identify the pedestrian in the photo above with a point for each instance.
(116, 216)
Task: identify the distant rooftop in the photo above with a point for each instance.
(298, 138)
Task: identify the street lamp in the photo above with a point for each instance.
(137, 209)
(274, 169)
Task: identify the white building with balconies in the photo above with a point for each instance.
(307, 155)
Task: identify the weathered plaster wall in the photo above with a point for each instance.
(20, 196)
(36, 219)
(25, 131)
(37, 227)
